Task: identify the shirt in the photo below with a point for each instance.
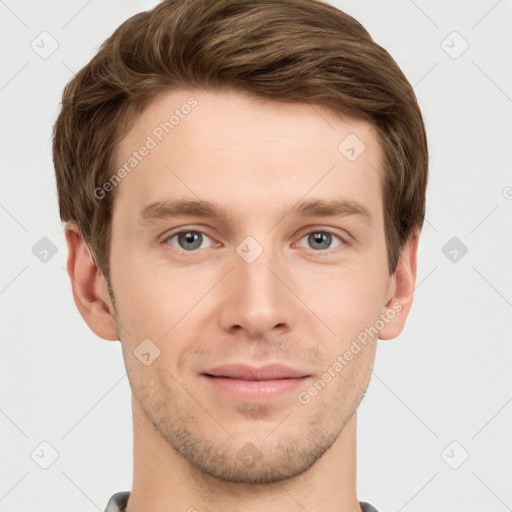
(118, 502)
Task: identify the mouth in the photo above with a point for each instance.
(244, 382)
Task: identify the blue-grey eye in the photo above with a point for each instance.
(320, 240)
(189, 240)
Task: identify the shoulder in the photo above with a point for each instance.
(365, 507)
(118, 501)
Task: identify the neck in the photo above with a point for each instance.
(163, 481)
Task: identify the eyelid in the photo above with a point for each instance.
(181, 229)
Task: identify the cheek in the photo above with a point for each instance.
(347, 299)
(163, 306)
(148, 294)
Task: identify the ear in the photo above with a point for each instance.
(401, 291)
(89, 286)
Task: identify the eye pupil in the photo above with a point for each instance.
(321, 238)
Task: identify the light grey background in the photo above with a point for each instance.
(439, 392)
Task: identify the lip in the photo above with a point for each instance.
(249, 383)
(247, 372)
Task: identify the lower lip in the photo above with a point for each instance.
(255, 389)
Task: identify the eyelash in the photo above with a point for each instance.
(326, 231)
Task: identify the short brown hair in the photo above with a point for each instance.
(287, 50)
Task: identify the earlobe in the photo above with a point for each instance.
(89, 286)
(399, 303)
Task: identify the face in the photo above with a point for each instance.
(247, 256)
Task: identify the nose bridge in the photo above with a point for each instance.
(256, 299)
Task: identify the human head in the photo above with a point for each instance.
(271, 50)
(287, 89)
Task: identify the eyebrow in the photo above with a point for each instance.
(161, 210)
(331, 208)
(168, 209)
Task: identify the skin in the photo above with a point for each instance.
(300, 302)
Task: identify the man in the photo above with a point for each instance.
(243, 186)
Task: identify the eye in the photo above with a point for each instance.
(188, 240)
(321, 240)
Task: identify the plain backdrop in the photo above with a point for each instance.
(435, 424)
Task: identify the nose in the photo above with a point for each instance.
(257, 298)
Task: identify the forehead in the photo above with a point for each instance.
(229, 147)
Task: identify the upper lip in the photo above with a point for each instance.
(247, 372)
